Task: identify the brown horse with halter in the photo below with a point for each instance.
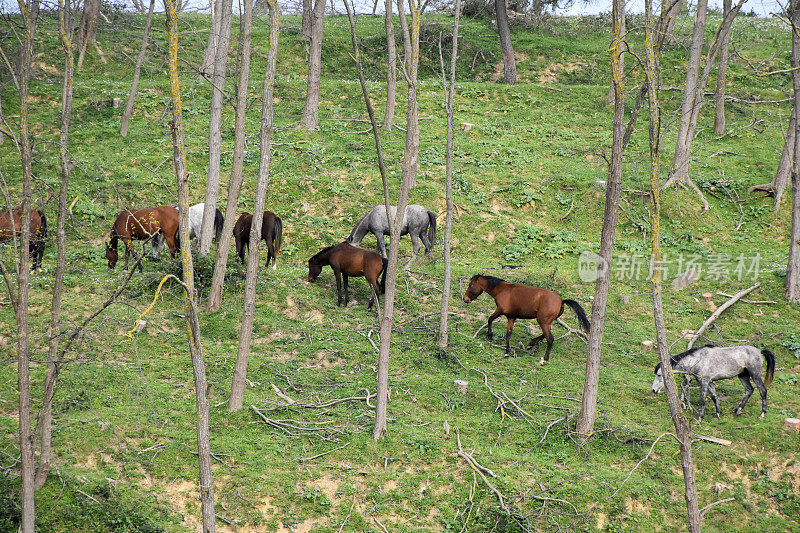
(11, 226)
(271, 231)
(141, 225)
(515, 300)
(347, 260)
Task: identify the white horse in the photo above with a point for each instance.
(195, 225)
(711, 363)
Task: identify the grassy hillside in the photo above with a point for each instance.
(527, 205)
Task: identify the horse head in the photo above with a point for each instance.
(313, 270)
(474, 290)
(111, 253)
(658, 382)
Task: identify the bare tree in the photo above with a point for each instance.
(267, 103)
(588, 412)
(27, 473)
(44, 423)
(391, 72)
(306, 21)
(213, 34)
(681, 427)
(509, 61)
(719, 93)
(779, 183)
(310, 118)
(235, 182)
(793, 266)
(669, 28)
(137, 70)
(411, 54)
(224, 8)
(448, 226)
(87, 30)
(611, 90)
(190, 295)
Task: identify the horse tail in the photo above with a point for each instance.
(585, 326)
(770, 357)
(42, 233)
(354, 234)
(383, 276)
(432, 227)
(278, 237)
(219, 220)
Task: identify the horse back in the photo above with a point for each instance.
(10, 225)
(517, 300)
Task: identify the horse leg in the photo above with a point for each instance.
(509, 329)
(345, 278)
(373, 285)
(713, 392)
(414, 246)
(540, 338)
(381, 244)
(744, 377)
(546, 331)
(338, 275)
(492, 318)
(427, 242)
(703, 391)
(762, 390)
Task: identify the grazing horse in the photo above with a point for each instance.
(195, 225)
(418, 222)
(711, 363)
(347, 260)
(11, 226)
(142, 224)
(515, 300)
(271, 231)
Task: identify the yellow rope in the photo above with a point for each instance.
(149, 307)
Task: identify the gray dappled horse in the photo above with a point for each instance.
(711, 363)
(418, 222)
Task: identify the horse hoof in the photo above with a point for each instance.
(761, 415)
(737, 411)
(542, 362)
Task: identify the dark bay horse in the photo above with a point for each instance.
(271, 231)
(515, 300)
(418, 222)
(140, 225)
(347, 260)
(711, 363)
(11, 225)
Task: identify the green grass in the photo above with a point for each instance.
(526, 196)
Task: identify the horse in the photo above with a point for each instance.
(195, 225)
(142, 224)
(271, 231)
(418, 222)
(516, 300)
(11, 226)
(711, 363)
(347, 260)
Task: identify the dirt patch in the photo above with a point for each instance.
(326, 485)
(323, 359)
(602, 520)
(314, 316)
(181, 495)
(636, 507)
(499, 68)
(552, 71)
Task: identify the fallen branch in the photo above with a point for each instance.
(306, 459)
(710, 505)
(479, 469)
(346, 518)
(718, 312)
(295, 428)
(715, 440)
(749, 301)
(643, 459)
(583, 336)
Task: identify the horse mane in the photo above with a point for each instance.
(491, 281)
(358, 225)
(675, 359)
(316, 256)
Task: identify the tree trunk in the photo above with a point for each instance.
(611, 91)
(215, 125)
(719, 94)
(588, 412)
(509, 62)
(190, 296)
(235, 183)
(213, 35)
(681, 428)
(793, 266)
(44, 423)
(391, 72)
(307, 18)
(310, 119)
(783, 173)
(401, 12)
(137, 70)
(669, 30)
(448, 226)
(87, 31)
(411, 152)
(28, 507)
(245, 334)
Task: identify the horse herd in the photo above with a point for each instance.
(514, 300)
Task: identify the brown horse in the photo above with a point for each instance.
(11, 226)
(515, 300)
(348, 260)
(140, 225)
(271, 231)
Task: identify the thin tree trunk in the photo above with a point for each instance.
(235, 183)
(793, 265)
(611, 91)
(783, 173)
(588, 412)
(215, 125)
(669, 30)
(28, 507)
(310, 119)
(137, 70)
(681, 428)
(87, 30)
(44, 423)
(509, 61)
(307, 17)
(190, 296)
(213, 35)
(448, 226)
(245, 334)
(401, 12)
(411, 152)
(391, 72)
(719, 94)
